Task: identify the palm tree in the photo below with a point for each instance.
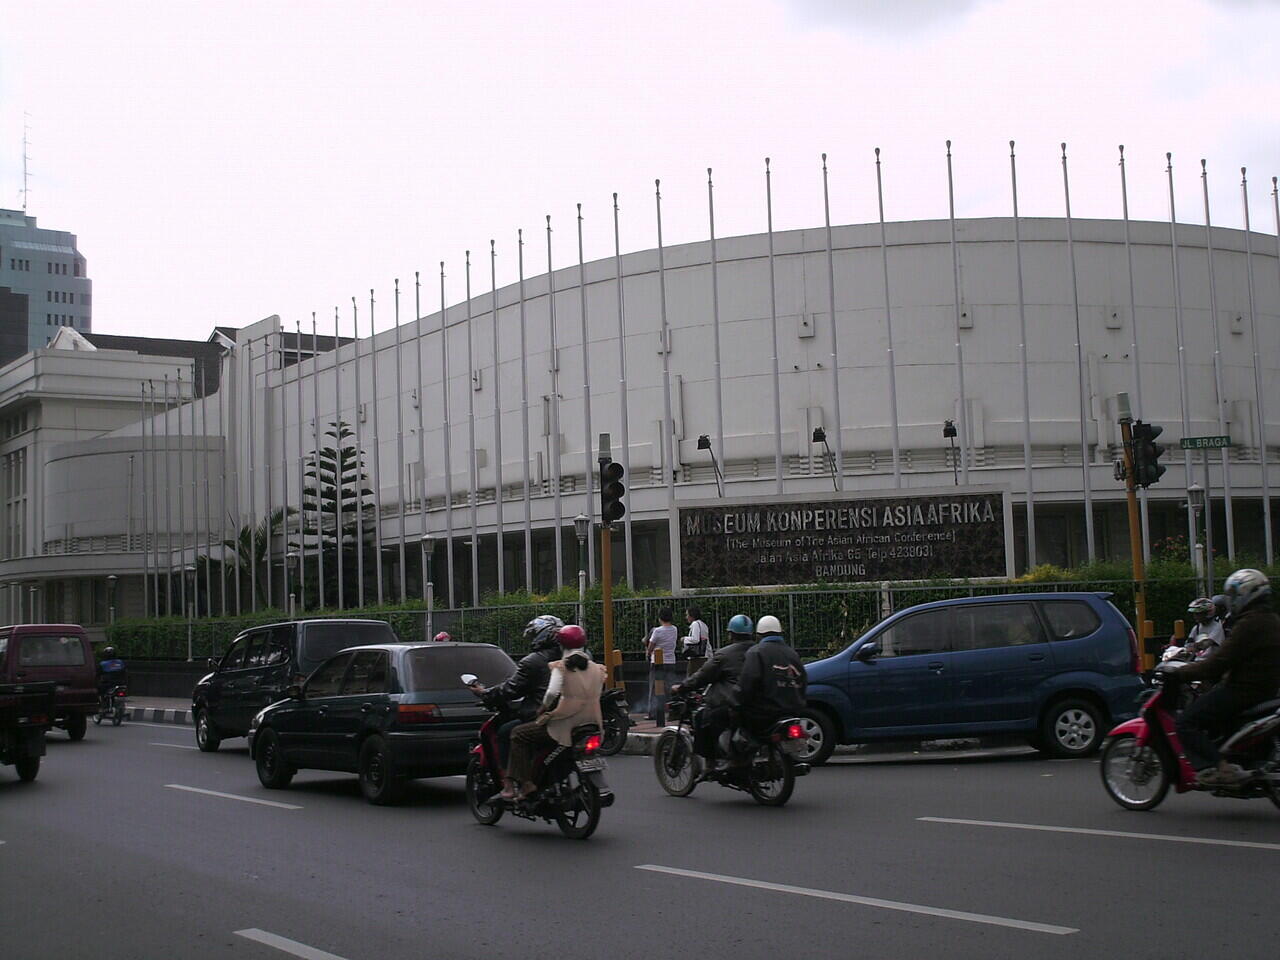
(250, 547)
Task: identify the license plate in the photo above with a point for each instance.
(594, 763)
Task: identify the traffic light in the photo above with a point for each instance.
(611, 491)
(1147, 467)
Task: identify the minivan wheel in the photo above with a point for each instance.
(207, 738)
(1071, 728)
(27, 768)
(273, 771)
(378, 781)
(77, 724)
(822, 737)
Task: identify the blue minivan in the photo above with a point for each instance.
(1056, 668)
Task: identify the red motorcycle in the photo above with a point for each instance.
(571, 792)
(1142, 758)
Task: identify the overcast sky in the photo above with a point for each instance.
(229, 159)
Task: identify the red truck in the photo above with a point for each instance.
(58, 653)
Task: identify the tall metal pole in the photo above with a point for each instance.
(377, 519)
(1022, 354)
(773, 329)
(1219, 391)
(448, 437)
(146, 508)
(253, 493)
(835, 353)
(1080, 384)
(962, 419)
(715, 312)
(208, 505)
(339, 458)
(403, 512)
(319, 485)
(377, 452)
(155, 497)
(589, 470)
(268, 410)
(282, 405)
(605, 556)
(555, 417)
(524, 419)
(1188, 476)
(302, 473)
(182, 501)
(1133, 351)
(888, 324)
(234, 365)
(422, 442)
(473, 471)
(497, 423)
(1257, 374)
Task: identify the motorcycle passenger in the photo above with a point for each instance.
(772, 683)
(572, 699)
(442, 637)
(1206, 629)
(111, 671)
(529, 683)
(720, 674)
(1248, 663)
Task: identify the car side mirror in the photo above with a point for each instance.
(867, 651)
(214, 662)
(294, 692)
(469, 679)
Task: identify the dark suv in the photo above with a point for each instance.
(260, 666)
(58, 652)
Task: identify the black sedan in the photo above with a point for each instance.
(385, 712)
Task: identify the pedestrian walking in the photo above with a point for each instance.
(662, 638)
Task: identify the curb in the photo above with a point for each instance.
(159, 715)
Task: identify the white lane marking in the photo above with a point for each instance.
(180, 746)
(1106, 833)
(233, 796)
(286, 945)
(867, 901)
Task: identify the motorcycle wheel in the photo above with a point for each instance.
(97, 718)
(615, 735)
(771, 779)
(480, 787)
(117, 717)
(675, 763)
(579, 819)
(1136, 778)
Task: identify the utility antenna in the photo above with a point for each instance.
(26, 157)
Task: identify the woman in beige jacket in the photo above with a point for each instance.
(572, 699)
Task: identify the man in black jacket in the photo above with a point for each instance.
(720, 674)
(772, 684)
(1248, 663)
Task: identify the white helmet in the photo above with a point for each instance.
(767, 625)
(1245, 587)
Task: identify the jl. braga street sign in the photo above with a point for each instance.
(1205, 443)
(841, 538)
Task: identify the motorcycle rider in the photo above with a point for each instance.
(111, 671)
(529, 683)
(442, 637)
(1248, 663)
(572, 698)
(720, 673)
(1206, 628)
(772, 683)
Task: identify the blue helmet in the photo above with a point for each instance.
(741, 625)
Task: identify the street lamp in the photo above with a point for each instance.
(111, 598)
(949, 433)
(1195, 497)
(582, 526)
(820, 436)
(428, 588)
(704, 443)
(289, 558)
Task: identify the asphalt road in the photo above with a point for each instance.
(104, 857)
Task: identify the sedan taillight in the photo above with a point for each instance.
(410, 714)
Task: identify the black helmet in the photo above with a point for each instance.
(541, 631)
(108, 653)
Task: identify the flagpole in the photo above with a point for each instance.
(589, 470)
(235, 488)
(1026, 381)
(208, 511)
(339, 464)
(1257, 373)
(622, 387)
(302, 475)
(1080, 384)
(962, 420)
(224, 437)
(146, 507)
(715, 319)
(182, 501)
(422, 442)
(150, 388)
(1218, 386)
(168, 507)
(448, 437)
(498, 499)
(266, 457)
(773, 327)
(888, 323)
(319, 487)
(400, 443)
(471, 443)
(377, 453)
(554, 450)
(1137, 366)
(838, 466)
(524, 415)
(284, 472)
(1182, 356)
(377, 522)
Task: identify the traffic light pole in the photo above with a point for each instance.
(606, 598)
(1135, 539)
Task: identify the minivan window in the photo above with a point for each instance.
(367, 673)
(327, 681)
(256, 652)
(278, 646)
(4, 646)
(440, 668)
(322, 640)
(1069, 619)
(234, 659)
(984, 626)
(49, 650)
(927, 632)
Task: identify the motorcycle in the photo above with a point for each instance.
(1142, 758)
(111, 704)
(765, 767)
(571, 789)
(617, 721)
